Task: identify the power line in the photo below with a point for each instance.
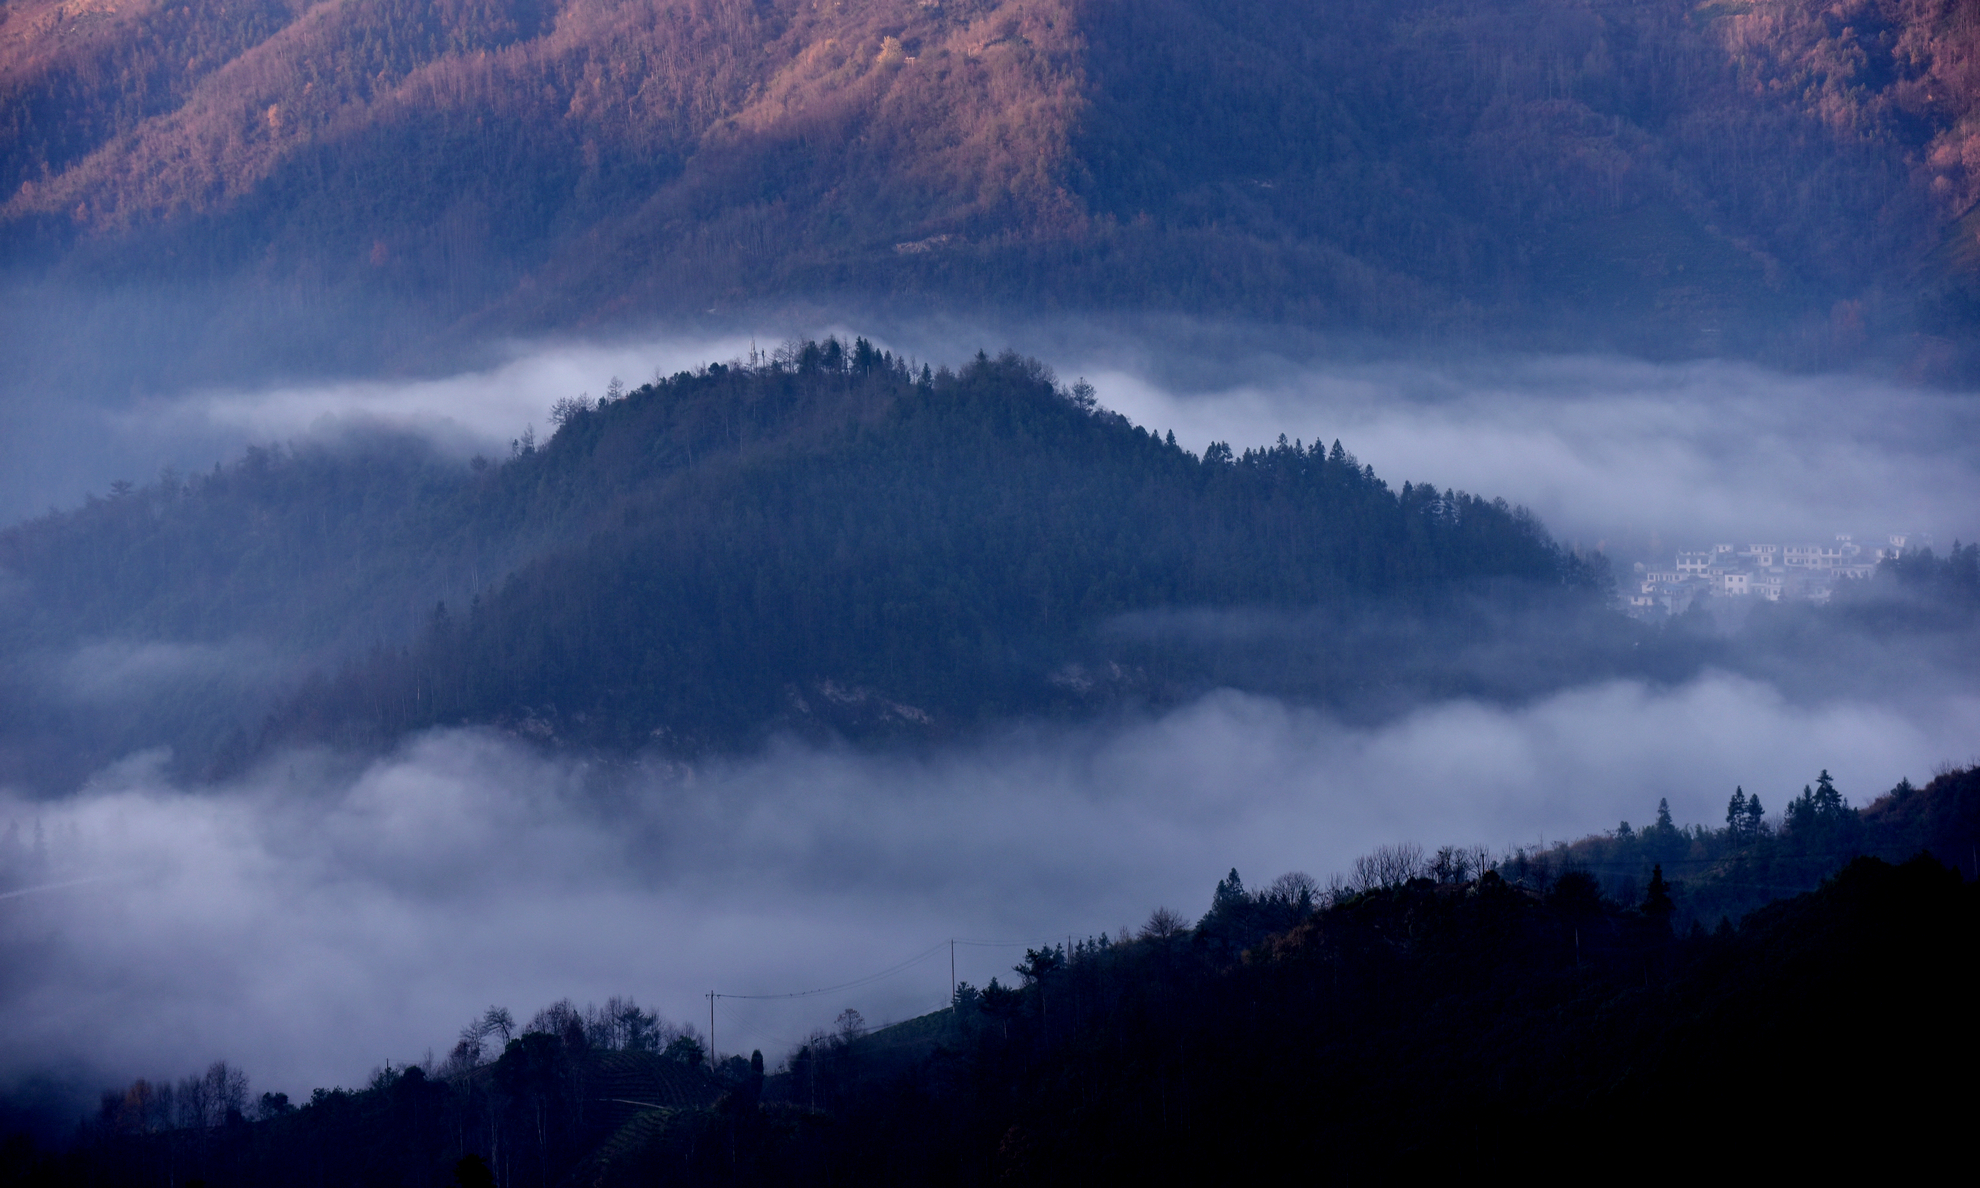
(56, 886)
(852, 985)
(714, 997)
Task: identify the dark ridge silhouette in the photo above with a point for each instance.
(1425, 1011)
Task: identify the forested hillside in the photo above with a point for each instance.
(840, 543)
(834, 543)
(1778, 175)
(170, 614)
(1435, 1010)
(828, 541)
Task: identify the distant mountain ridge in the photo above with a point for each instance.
(1698, 176)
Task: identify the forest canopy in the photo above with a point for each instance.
(831, 542)
(835, 538)
(1781, 177)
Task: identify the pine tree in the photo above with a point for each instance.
(1828, 802)
(1657, 902)
(1230, 892)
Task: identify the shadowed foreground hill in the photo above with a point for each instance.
(1418, 1015)
(1656, 172)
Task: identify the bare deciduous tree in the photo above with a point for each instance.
(205, 1102)
(498, 1021)
(1296, 889)
(564, 408)
(1388, 866)
(1451, 865)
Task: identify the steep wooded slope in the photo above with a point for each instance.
(841, 544)
(1693, 175)
(826, 543)
(832, 542)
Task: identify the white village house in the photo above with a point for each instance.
(1775, 572)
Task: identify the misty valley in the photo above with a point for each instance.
(835, 544)
(747, 598)
(1422, 1011)
(732, 592)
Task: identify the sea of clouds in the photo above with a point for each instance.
(314, 920)
(1641, 457)
(323, 915)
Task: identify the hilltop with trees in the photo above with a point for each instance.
(831, 543)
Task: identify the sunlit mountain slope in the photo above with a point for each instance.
(1695, 175)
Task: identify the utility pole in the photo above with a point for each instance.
(952, 975)
(711, 1029)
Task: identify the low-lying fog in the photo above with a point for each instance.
(311, 922)
(1647, 457)
(1641, 456)
(310, 925)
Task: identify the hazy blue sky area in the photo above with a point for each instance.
(317, 917)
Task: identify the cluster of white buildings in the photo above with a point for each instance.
(1770, 571)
